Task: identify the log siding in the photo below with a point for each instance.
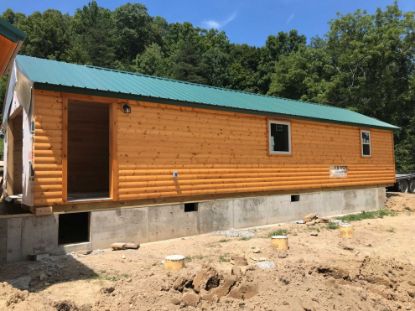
(213, 152)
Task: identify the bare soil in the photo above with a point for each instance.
(374, 270)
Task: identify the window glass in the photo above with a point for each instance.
(365, 136)
(366, 149)
(280, 137)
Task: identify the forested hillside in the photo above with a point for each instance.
(366, 62)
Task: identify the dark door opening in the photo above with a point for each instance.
(88, 151)
(14, 155)
(73, 228)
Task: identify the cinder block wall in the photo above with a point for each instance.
(24, 235)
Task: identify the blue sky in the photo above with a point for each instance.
(244, 21)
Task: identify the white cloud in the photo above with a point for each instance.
(290, 18)
(212, 24)
(215, 24)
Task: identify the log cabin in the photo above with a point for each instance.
(111, 156)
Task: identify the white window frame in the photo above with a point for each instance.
(270, 149)
(362, 143)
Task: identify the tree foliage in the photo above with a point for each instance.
(365, 62)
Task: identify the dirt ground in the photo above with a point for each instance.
(234, 270)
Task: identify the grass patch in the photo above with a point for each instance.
(278, 232)
(224, 258)
(223, 240)
(391, 230)
(111, 277)
(332, 226)
(195, 257)
(367, 215)
(245, 238)
(313, 228)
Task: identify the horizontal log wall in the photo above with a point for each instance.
(47, 149)
(214, 152)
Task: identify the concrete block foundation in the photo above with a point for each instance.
(23, 235)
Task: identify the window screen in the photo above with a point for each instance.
(279, 137)
(365, 137)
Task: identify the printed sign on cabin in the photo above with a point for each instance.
(338, 171)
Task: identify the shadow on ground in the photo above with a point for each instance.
(35, 276)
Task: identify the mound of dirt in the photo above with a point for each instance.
(400, 202)
(11, 296)
(388, 278)
(65, 305)
(208, 284)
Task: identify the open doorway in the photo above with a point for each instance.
(88, 151)
(14, 154)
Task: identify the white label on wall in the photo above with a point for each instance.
(338, 171)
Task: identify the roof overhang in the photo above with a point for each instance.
(11, 39)
(115, 95)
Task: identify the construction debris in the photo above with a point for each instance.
(312, 219)
(243, 234)
(309, 218)
(124, 246)
(265, 265)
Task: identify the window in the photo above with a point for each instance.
(365, 140)
(279, 137)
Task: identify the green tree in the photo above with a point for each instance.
(304, 75)
(3, 85)
(276, 47)
(365, 63)
(14, 18)
(93, 36)
(243, 69)
(152, 61)
(186, 53)
(215, 58)
(47, 34)
(133, 30)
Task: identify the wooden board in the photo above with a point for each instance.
(7, 51)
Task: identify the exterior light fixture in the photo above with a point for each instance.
(126, 108)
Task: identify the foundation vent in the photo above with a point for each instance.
(295, 197)
(191, 207)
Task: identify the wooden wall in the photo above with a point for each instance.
(213, 152)
(47, 149)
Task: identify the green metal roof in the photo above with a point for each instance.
(49, 74)
(11, 32)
